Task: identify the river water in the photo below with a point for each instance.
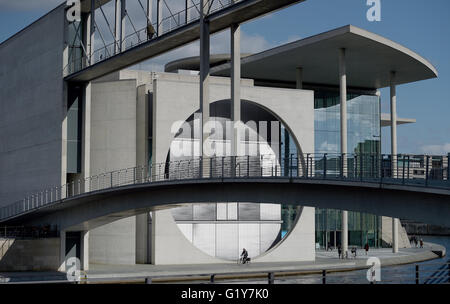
(403, 274)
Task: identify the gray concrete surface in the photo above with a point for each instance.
(32, 108)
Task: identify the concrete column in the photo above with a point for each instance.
(299, 78)
(62, 251)
(123, 32)
(159, 17)
(92, 30)
(393, 125)
(118, 26)
(344, 234)
(343, 118)
(204, 77)
(84, 250)
(235, 85)
(86, 136)
(395, 223)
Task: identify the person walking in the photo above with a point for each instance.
(366, 247)
(421, 243)
(340, 251)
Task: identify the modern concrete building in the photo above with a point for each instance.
(312, 96)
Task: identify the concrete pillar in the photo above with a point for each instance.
(123, 32)
(393, 125)
(118, 26)
(62, 251)
(395, 235)
(92, 30)
(235, 85)
(299, 78)
(343, 118)
(159, 16)
(84, 250)
(204, 78)
(86, 136)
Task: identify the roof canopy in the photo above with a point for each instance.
(370, 59)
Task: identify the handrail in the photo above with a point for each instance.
(370, 168)
(138, 37)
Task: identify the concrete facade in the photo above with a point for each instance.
(32, 109)
(29, 255)
(113, 147)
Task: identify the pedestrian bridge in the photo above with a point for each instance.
(179, 26)
(363, 183)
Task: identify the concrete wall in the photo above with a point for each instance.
(299, 244)
(32, 108)
(386, 233)
(113, 147)
(30, 255)
(169, 246)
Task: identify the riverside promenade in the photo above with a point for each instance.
(325, 261)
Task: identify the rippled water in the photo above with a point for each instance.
(403, 274)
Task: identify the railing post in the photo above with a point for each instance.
(223, 162)
(211, 278)
(417, 275)
(324, 165)
(403, 168)
(409, 161)
(448, 167)
(324, 276)
(361, 166)
(290, 165)
(271, 278)
(427, 167)
(248, 166)
(307, 165)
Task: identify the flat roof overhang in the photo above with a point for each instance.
(370, 58)
(239, 12)
(386, 120)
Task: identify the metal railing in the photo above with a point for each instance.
(369, 168)
(140, 36)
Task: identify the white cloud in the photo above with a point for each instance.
(436, 149)
(28, 5)
(220, 43)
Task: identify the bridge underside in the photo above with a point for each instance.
(239, 12)
(87, 212)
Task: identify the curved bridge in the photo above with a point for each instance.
(137, 190)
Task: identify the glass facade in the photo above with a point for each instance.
(363, 136)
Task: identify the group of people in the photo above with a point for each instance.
(413, 240)
(344, 255)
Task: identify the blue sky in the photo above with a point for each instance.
(423, 26)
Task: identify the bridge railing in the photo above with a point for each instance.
(139, 36)
(414, 170)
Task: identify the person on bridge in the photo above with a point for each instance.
(244, 256)
(366, 247)
(150, 31)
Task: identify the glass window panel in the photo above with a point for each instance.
(232, 211)
(204, 212)
(248, 212)
(183, 213)
(221, 211)
(270, 212)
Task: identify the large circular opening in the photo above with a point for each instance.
(223, 229)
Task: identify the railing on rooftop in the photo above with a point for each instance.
(139, 36)
(419, 171)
